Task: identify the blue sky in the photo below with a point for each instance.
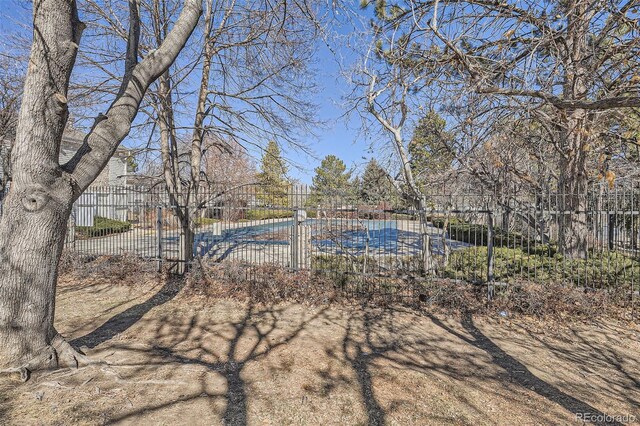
(340, 136)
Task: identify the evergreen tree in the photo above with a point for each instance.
(429, 147)
(331, 181)
(273, 177)
(375, 187)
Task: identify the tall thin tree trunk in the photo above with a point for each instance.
(186, 242)
(428, 264)
(574, 138)
(573, 227)
(413, 191)
(420, 202)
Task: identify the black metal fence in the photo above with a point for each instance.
(371, 243)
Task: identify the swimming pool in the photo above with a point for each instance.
(327, 235)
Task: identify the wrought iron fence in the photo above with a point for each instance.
(372, 243)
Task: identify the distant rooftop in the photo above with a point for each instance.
(72, 138)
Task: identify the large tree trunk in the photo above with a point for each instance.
(32, 231)
(574, 138)
(572, 203)
(36, 210)
(5, 158)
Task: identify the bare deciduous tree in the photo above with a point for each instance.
(251, 85)
(564, 63)
(227, 165)
(10, 93)
(37, 208)
(387, 90)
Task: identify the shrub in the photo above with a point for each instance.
(537, 286)
(476, 234)
(259, 284)
(438, 221)
(544, 265)
(124, 269)
(339, 263)
(102, 226)
(549, 301)
(541, 265)
(403, 216)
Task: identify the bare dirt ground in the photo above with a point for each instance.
(173, 358)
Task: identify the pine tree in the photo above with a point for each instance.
(273, 177)
(331, 181)
(375, 187)
(428, 148)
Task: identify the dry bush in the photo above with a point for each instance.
(453, 296)
(124, 269)
(272, 284)
(555, 300)
(261, 284)
(70, 261)
(545, 301)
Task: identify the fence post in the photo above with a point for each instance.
(159, 236)
(300, 241)
(427, 255)
(611, 230)
(295, 241)
(186, 240)
(490, 233)
(304, 251)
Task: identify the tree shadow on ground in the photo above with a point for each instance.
(259, 331)
(124, 320)
(360, 355)
(619, 377)
(372, 338)
(520, 374)
(371, 342)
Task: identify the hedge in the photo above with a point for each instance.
(476, 234)
(544, 265)
(102, 226)
(403, 216)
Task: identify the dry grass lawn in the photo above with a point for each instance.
(174, 358)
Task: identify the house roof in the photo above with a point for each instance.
(72, 140)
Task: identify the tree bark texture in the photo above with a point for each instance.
(572, 205)
(36, 210)
(574, 140)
